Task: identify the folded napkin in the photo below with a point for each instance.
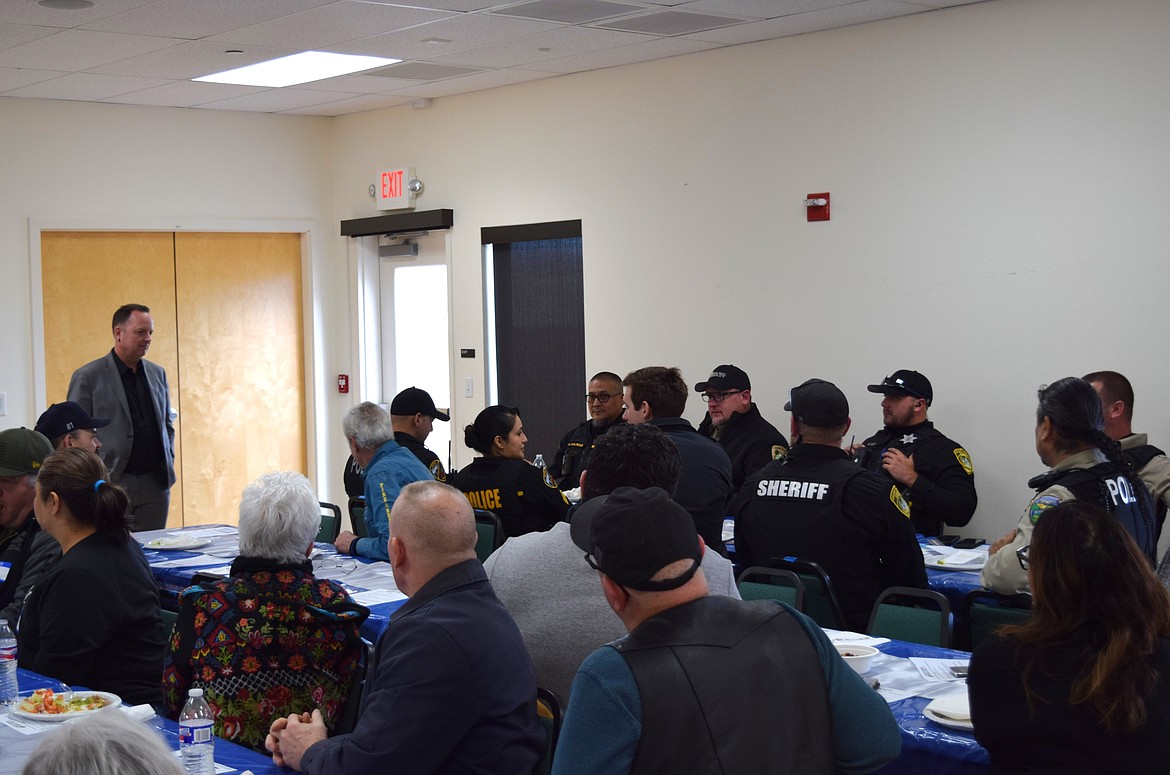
(138, 712)
(953, 706)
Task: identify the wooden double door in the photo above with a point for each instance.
(228, 329)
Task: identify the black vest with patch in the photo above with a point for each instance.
(728, 687)
(1109, 486)
(1139, 458)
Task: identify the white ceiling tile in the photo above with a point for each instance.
(79, 50)
(463, 32)
(16, 34)
(14, 78)
(440, 5)
(84, 86)
(191, 60)
(28, 12)
(185, 94)
(470, 83)
(194, 19)
(759, 9)
(659, 48)
(556, 44)
(276, 100)
(332, 24)
(353, 105)
(359, 84)
(813, 21)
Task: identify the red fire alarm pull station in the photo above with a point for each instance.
(342, 383)
(818, 207)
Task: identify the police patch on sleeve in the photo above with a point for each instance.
(899, 501)
(437, 471)
(1041, 505)
(779, 451)
(964, 460)
(548, 480)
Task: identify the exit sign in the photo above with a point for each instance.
(392, 190)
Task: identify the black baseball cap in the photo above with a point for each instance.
(66, 417)
(725, 377)
(632, 534)
(904, 382)
(414, 401)
(817, 402)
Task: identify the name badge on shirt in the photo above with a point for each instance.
(4, 568)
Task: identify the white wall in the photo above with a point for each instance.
(79, 165)
(998, 174)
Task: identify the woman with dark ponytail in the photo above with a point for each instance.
(1084, 464)
(524, 497)
(94, 618)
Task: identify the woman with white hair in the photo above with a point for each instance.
(106, 743)
(269, 640)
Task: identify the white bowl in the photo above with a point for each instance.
(860, 658)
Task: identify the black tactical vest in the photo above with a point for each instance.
(728, 687)
(1109, 486)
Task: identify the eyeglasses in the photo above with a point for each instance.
(601, 398)
(1022, 556)
(718, 397)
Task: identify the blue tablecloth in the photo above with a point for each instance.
(17, 747)
(172, 581)
(929, 748)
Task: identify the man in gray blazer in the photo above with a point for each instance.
(138, 446)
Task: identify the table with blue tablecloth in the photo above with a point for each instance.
(370, 582)
(16, 746)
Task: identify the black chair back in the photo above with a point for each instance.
(914, 615)
(820, 601)
(330, 523)
(760, 583)
(357, 516)
(491, 533)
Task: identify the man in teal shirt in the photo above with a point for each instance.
(705, 684)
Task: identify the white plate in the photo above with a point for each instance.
(114, 699)
(177, 543)
(940, 563)
(953, 723)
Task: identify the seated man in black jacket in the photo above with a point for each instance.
(734, 420)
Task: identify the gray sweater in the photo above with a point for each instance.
(556, 599)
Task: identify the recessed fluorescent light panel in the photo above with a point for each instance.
(297, 68)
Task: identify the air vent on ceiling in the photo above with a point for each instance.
(669, 23)
(569, 11)
(422, 71)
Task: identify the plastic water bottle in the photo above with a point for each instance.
(196, 740)
(8, 686)
(538, 461)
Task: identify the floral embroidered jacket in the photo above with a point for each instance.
(266, 642)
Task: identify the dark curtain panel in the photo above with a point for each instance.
(540, 335)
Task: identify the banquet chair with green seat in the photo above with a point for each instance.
(330, 523)
(491, 533)
(548, 712)
(760, 583)
(357, 516)
(914, 615)
(983, 612)
(820, 600)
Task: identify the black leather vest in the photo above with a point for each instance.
(1109, 486)
(728, 687)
